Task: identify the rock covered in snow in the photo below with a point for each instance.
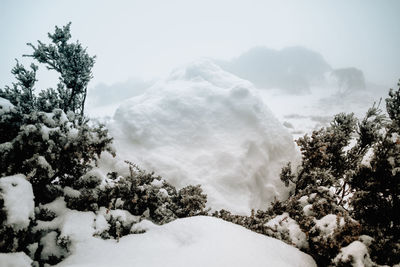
(17, 195)
(206, 126)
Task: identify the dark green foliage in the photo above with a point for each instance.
(392, 107)
(190, 201)
(73, 64)
(324, 151)
(21, 93)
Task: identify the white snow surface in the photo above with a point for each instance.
(18, 197)
(203, 125)
(18, 259)
(5, 105)
(195, 241)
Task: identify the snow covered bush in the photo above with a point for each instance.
(144, 194)
(346, 190)
(46, 137)
(376, 200)
(358, 162)
(306, 221)
(51, 149)
(121, 202)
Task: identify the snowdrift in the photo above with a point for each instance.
(203, 125)
(195, 241)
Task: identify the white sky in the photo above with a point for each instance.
(148, 38)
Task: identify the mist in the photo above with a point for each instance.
(148, 39)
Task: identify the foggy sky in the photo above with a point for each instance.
(148, 38)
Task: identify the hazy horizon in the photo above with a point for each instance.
(147, 39)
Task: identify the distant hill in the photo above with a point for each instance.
(293, 69)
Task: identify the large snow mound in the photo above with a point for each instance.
(195, 241)
(203, 125)
(17, 195)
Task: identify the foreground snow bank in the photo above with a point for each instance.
(19, 259)
(17, 195)
(206, 126)
(195, 241)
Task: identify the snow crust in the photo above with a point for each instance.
(195, 241)
(203, 125)
(18, 197)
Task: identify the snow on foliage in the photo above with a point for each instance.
(283, 224)
(327, 224)
(17, 194)
(355, 254)
(203, 125)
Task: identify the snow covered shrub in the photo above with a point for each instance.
(45, 136)
(307, 221)
(376, 200)
(46, 139)
(126, 200)
(346, 188)
(144, 194)
(115, 223)
(52, 149)
(190, 201)
(358, 162)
